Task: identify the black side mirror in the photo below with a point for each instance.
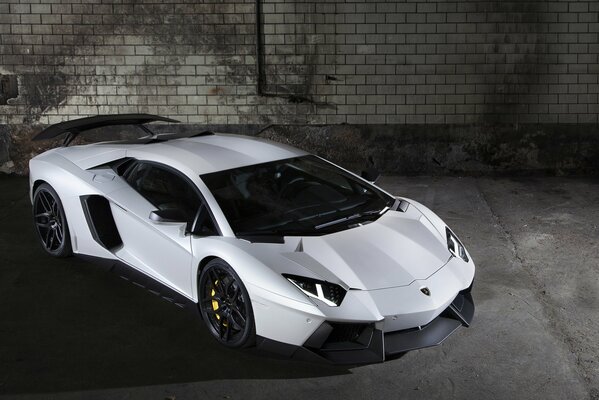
(371, 174)
(169, 215)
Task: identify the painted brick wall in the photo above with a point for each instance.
(325, 62)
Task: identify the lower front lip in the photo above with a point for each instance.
(363, 343)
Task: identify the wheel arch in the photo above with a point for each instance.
(203, 262)
(195, 290)
(37, 183)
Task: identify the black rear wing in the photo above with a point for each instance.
(74, 127)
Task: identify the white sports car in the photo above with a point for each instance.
(275, 247)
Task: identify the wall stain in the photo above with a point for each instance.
(518, 45)
(41, 92)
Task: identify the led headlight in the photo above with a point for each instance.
(455, 246)
(329, 293)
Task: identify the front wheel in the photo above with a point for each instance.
(225, 305)
(50, 222)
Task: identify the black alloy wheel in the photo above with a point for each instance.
(225, 305)
(50, 222)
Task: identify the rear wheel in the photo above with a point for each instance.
(225, 305)
(50, 222)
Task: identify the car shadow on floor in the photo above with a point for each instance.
(74, 329)
(67, 325)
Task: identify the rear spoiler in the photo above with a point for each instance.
(74, 127)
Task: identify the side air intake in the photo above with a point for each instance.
(101, 222)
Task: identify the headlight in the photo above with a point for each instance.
(329, 293)
(455, 246)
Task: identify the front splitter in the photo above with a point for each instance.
(371, 345)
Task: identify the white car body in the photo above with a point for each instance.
(386, 266)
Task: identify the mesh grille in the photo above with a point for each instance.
(345, 332)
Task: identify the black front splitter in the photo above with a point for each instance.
(372, 345)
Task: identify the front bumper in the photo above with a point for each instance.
(355, 343)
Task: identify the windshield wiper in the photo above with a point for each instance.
(352, 217)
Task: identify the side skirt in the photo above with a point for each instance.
(139, 279)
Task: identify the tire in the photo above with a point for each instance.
(225, 305)
(50, 222)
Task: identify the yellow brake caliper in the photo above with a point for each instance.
(214, 302)
(215, 305)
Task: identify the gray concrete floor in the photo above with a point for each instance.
(68, 330)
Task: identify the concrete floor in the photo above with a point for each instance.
(70, 331)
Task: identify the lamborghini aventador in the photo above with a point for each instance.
(271, 245)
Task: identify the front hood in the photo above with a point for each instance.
(392, 251)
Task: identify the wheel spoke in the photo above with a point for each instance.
(228, 333)
(59, 235)
(212, 275)
(45, 202)
(218, 288)
(47, 238)
(210, 311)
(236, 326)
(49, 200)
(52, 238)
(236, 293)
(223, 328)
(216, 282)
(236, 313)
(43, 224)
(228, 286)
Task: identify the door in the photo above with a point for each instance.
(158, 248)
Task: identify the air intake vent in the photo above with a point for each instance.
(101, 222)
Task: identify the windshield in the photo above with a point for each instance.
(297, 196)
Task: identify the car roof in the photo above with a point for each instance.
(201, 154)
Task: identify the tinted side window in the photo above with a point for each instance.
(204, 226)
(164, 189)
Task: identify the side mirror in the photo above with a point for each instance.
(169, 215)
(370, 174)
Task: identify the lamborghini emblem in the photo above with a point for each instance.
(426, 291)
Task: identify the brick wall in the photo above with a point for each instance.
(325, 62)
